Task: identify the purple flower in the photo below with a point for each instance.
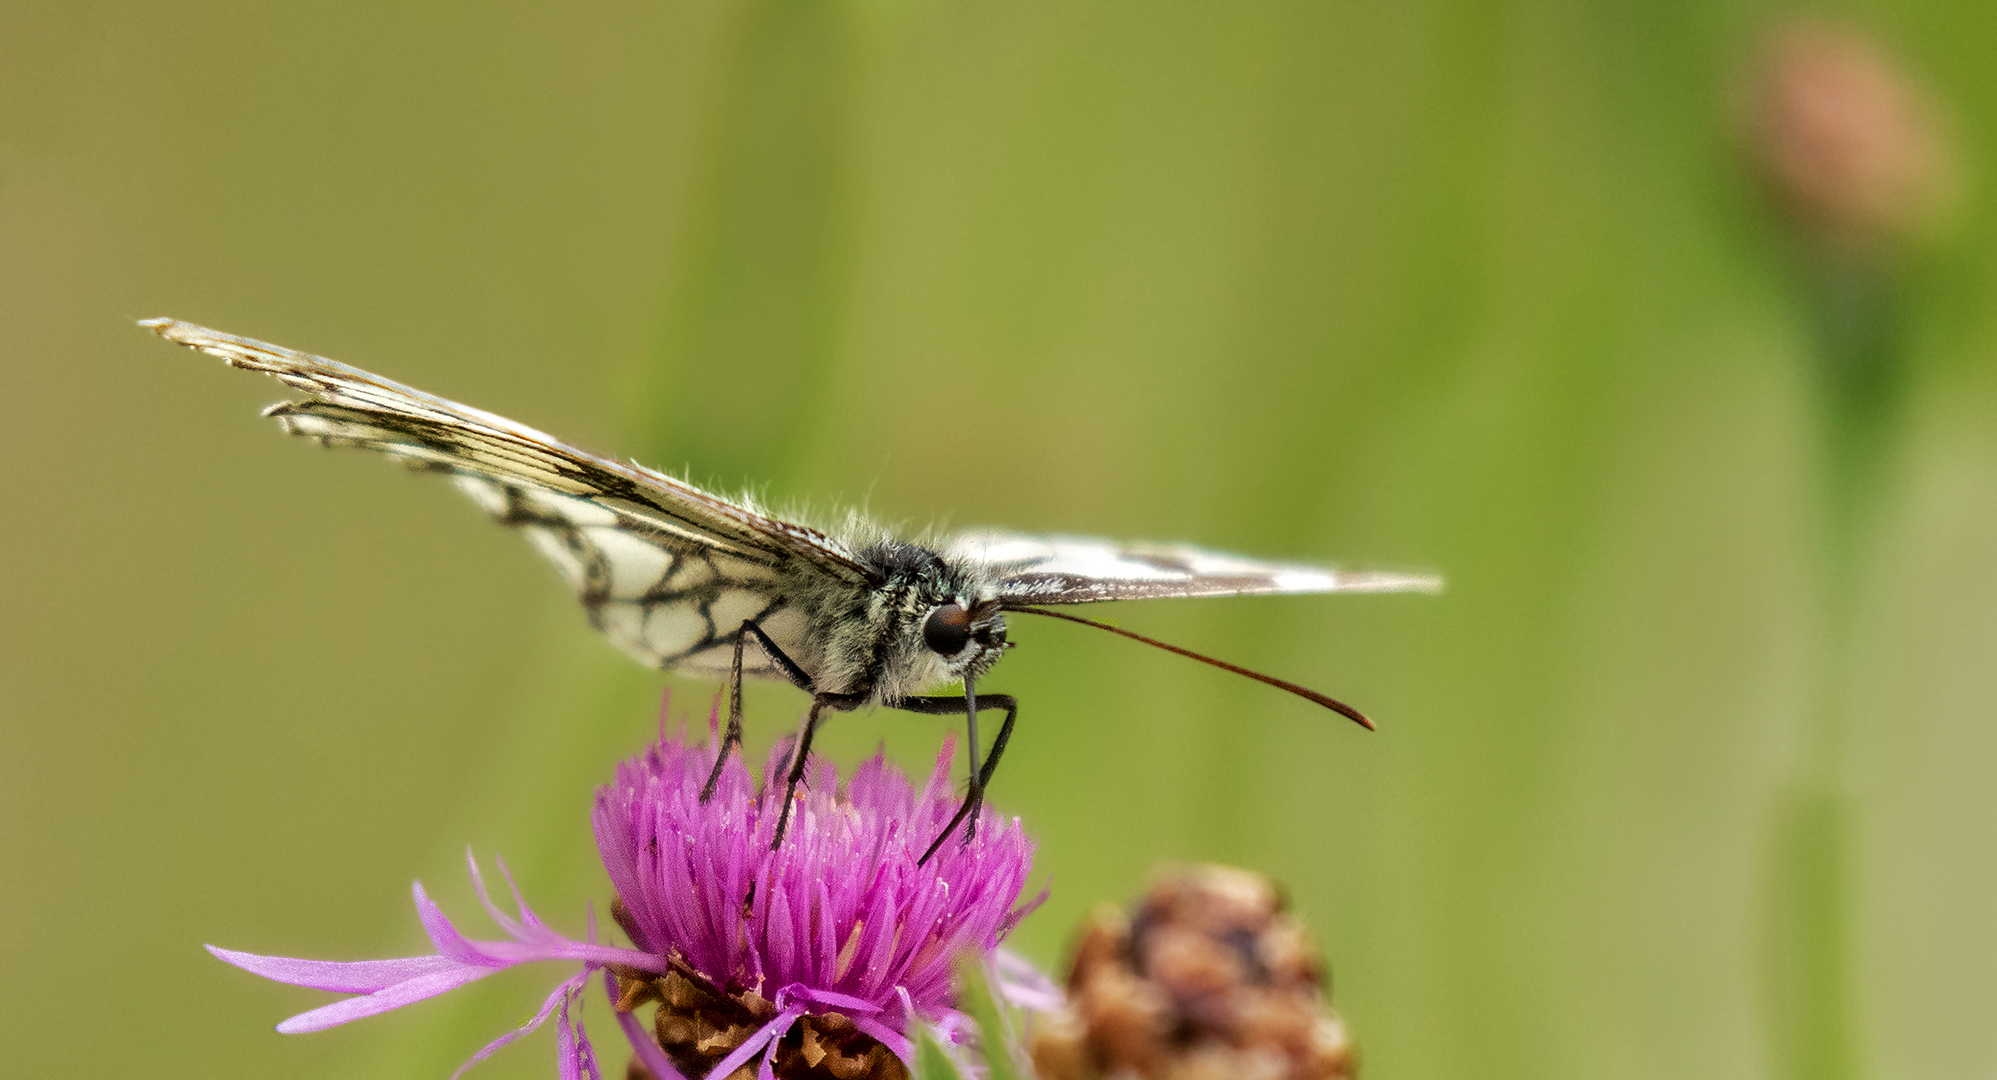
(834, 945)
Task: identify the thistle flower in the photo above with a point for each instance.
(830, 946)
(819, 958)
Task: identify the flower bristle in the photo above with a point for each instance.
(838, 924)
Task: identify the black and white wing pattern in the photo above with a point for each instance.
(1082, 570)
(667, 571)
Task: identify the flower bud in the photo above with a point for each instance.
(1844, 140)
(1209, 978)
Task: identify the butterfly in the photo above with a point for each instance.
(684, 579)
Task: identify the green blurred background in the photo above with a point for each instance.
(1467, 286)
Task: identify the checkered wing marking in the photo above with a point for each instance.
(666, 570)
(1080, 570)
(666, 600)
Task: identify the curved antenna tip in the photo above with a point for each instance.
(1326, 700)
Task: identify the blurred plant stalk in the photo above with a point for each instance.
(1854, 161)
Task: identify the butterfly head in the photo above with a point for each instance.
(968, 638)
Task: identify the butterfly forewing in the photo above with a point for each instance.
(1082, 570)
(668, 572)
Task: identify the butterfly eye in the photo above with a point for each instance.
(948, 629)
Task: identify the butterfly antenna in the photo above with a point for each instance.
(1332, 703)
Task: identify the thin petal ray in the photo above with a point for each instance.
(344, 977)
(394, 997)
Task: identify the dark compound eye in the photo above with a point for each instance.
(948, 629)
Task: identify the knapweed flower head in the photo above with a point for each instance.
(818, 958)
(825, 950)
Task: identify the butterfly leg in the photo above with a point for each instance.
(975, 797)
(733, 738)
(801, 750)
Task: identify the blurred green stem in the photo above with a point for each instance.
(1853, 308)
(1808, 938)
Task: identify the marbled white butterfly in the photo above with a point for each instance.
(683, 579)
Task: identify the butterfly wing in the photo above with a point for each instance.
(1081, 570)
(667, 571)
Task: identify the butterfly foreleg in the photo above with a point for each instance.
(974, 799)
(733, 738)
(800, 752)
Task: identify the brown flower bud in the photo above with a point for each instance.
(1210, 978)
(1844, 139)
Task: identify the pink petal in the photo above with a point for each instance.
(384, 1000)
(567, 987)
(642, 1042)
(485, 898)
(754, 1044)
(578, 1058)
(831, 1000)
(594, 955)
(344, 977)
(1022, 984)
(446, 937)
(527, 916)
(888, 1037)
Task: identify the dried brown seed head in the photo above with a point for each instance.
(1210, 978)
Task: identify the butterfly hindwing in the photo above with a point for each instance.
(667, 571)
(664, 599)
